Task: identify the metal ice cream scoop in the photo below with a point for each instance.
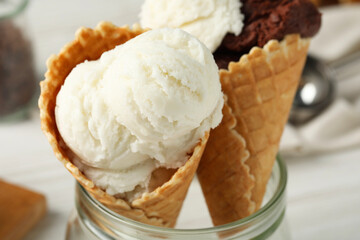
(315, 92)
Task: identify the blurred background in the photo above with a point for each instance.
(322, 151)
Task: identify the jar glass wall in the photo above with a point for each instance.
(92, 220)
(18, 84)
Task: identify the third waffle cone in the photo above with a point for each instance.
(240, 154)
(161, 206)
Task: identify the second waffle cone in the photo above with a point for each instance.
(240, 154)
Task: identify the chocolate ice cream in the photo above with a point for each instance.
(266, 20)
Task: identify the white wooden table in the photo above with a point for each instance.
(323, 191)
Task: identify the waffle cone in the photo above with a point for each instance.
(240, 153)
(160, 206)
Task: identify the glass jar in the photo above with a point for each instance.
(17, 74)
(92, 220)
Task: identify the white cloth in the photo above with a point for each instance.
(338, 127)
(339, 33)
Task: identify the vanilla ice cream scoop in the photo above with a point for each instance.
(208, 20)
(143, 105)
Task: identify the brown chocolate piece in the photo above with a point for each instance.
(333, 2)
(266, 20)
(20, 210)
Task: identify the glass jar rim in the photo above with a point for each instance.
(17, 10)
(229, 226)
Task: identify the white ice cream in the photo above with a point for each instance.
(208, 20)
(142, 105)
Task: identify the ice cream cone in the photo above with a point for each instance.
(240, 153)
(160, 206)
